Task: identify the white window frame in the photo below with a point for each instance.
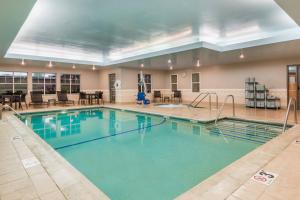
(174, 83)
(70, 80)
(13, 80)
(44, 83)
(195, 82)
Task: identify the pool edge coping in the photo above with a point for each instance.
(48, 156)
(205, 187)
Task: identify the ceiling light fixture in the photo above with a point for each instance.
(50, 64)
(23, 62)
(242, 56)
(142, 65)
(198, 64)
(94, 68)
(171, 67)
(74, 67)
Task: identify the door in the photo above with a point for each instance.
(112, 89)
(293, 82)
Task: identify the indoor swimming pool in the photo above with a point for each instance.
(133, 156)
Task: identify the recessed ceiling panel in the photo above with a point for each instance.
(108, 32)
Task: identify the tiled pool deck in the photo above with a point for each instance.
(31, 169)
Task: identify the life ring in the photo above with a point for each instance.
(117, 84)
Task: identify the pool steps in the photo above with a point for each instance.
(256, 132)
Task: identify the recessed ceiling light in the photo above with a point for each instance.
(50, 64)
(198, 64)
(171, 67)
(94, 68)
(23, 62)
(74, 67)
(242, 56)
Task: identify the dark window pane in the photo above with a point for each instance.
(196, 87)
(174, 87)
(75, 88)
(77, 79)
(20, 77)
(50, 88)
(50, 78)
(195, 77)
(37, 77)
(70, 83)
(148, 88)
(65, 79)
(38, 87)
(4, 88)
(21, 87)
(6, 77)
(65, 88)
(147, 78)
(173, 78)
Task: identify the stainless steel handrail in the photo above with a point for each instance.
(191, 104)
(217, 98)
(222, 107)
(292, 100)
(9, 107)
(207, 95)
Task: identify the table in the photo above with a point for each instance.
(90, 96)
(51, 101)
(12, 98)
(167, 98)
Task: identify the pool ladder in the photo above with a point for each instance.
(222, 107)
(293, 102)
(206, 94)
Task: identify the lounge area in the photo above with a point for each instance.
(149, 100)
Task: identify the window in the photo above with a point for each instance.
(13, 81)
(45, 82)
(147, 82)
(196, 82)
(174, 82)
(70, 83)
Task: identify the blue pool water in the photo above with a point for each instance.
(134, 156)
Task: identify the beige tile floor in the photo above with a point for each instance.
(54, 178)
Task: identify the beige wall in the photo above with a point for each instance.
(130, 78)
(229, 79)
(103, 77)
(271, 73)
(223, 79)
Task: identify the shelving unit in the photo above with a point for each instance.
(257, 96)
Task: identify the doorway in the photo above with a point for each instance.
(293, 81)
(112, 89)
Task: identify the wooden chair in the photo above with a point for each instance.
(177, 95)
(37, 98)
(82, 98)
(157, 95)
(62, 98)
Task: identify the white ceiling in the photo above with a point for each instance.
(105, 32)
(183, 60)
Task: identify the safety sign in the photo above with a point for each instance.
(264, 177)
